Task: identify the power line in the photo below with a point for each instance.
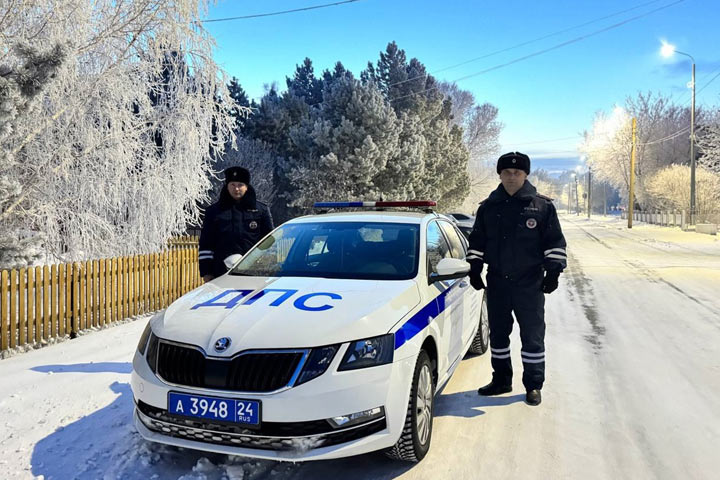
(549, 49)
(304, 9)
(666, 138)
(528, 42)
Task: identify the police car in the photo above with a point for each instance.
(329, 338)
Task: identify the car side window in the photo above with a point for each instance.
(437, 247)
(456, 245)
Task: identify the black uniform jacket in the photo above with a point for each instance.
(231, 227)
(517, 235)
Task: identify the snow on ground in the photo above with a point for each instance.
(632, 391)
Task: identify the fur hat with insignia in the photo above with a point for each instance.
(514, 160)
(237, 174)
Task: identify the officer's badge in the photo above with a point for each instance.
(531, 223)
(253, 225)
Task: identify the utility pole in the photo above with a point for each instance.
(577, 199)
(569, 196)
(631, 198)
(589, 192)
(692, 148)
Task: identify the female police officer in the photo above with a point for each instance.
(233, 224)
(517, 233)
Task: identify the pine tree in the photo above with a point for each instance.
(304, 84)
(237, 93)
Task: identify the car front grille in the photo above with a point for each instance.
(248, 372)
(290, 436)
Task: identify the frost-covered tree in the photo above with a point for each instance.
(412, 91)
(481, 131)
(345, 150)
(669, 189)
(83, 162)
(709, 144)
(662, 140)
(21, 83)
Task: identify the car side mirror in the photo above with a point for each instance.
(232, 260)
(450, 269)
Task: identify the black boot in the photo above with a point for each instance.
(494, 388)
(533, 397)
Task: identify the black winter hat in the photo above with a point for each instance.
(514, 160)
(237, 174)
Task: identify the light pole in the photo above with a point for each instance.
(667, 50)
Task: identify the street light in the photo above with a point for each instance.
(668, 50)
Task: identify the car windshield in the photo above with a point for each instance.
(355, 250)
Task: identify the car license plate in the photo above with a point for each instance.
(246, 412)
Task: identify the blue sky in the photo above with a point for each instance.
(547, 97)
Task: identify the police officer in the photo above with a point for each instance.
(233, 224)
(518, 235)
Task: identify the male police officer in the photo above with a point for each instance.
(233, 224)
(517, 233)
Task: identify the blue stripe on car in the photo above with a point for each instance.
(418, 322)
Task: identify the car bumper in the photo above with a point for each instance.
(294, 424)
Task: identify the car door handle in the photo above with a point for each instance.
(463, 284)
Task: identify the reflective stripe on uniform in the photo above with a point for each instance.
(500, 357)
(528, 357)
(558, 257)
(205, 257)
(560, 251)
(527, 354)
(500, 350)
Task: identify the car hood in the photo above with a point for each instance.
(285, 312)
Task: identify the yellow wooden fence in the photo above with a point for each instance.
(51, 301)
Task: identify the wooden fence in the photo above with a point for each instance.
(44, 302)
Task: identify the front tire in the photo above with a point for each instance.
(481, 342)
(414, 441)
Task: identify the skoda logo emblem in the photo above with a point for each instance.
(222, 344)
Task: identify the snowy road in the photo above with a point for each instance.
(632, 391)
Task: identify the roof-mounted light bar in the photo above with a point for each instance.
(411, 203)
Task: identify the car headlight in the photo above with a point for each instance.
(152, 352)
(318, 361)
(369, 352)
(144, 339)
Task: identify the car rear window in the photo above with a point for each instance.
(352, 250)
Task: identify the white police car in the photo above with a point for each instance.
(329, 338)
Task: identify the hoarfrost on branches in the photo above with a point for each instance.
(111, 115)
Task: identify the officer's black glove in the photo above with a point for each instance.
(477, 282)
(550, 282)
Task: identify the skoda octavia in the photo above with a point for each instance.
(329, 338)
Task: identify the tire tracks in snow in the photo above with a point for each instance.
(642, 270)
(582, 285)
